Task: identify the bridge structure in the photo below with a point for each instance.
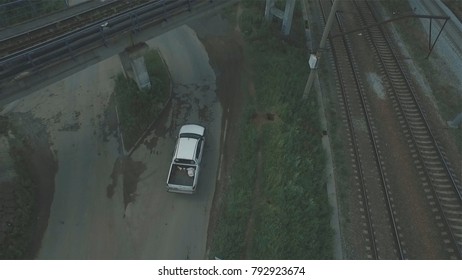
(34, 58)
(285, 15)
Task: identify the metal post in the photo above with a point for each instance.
(288, 15)
(268, 7)
(135, 23)
(430, 36)
(30, 59)
(434, 43)
(69, 48)
(103, 36)
(322, 45)
(164, 12)
(456, 122)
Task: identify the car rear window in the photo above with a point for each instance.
(184, 161)
(190, 135)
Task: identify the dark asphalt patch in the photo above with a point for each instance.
(130, 171)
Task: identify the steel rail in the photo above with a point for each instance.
(67, 46)
(93, 27)
(372, 140)
(48, 26)
(355, 145)
(408, 122)
(375, 148)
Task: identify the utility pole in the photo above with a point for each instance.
(322, 45)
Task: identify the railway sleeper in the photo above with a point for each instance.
(459, 228)
(436, 167)
(419, 128)
(440, 181)
(412, 115)
(421, 134)
(443, 181)
(395, 74)
(428, 155)
(402, 86)
(454, 206)
(402, 92)
(413, 118)
(411, 109)
(449, 198)
(426, 141)
(455, 219)
(421, 141)
(427, 149)
(440, 178)
(449, 194)
(397, 80)
(437, 173)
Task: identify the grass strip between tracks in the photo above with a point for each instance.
(276, 203)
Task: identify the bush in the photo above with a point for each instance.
(139, 108)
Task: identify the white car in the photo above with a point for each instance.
(185, 166)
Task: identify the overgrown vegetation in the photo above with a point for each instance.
(17, 205)
(288, 201)
(229, 238)
(139, 108)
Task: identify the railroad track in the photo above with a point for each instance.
(26, 62)
(49, 31)
(437, 178)
(380, 229)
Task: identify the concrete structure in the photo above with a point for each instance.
(134, 65)
(286, 15)
(456, 122)
(34, 79)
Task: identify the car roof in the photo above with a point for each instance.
(186, 148)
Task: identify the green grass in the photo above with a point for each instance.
(229, 14)
(139, 108)
(229, 238)
(291, 211)
(292, 208)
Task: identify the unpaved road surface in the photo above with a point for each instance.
(178, 222)
(105, 205)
